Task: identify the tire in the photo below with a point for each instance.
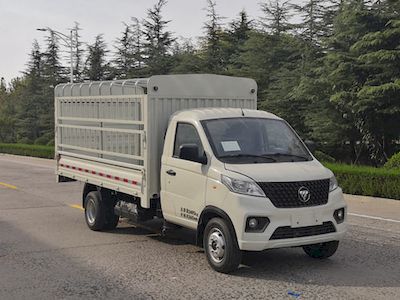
(111, 219)
(220, 245)
(322, 250)
(99, 213)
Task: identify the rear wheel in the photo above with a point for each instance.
(99, 213)
(220, 245)
(321, 250)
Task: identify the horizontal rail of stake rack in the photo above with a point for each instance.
(102, 122)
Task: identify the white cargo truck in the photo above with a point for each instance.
(193, 150)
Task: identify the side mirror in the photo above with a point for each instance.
(191, 152)
(312, 146)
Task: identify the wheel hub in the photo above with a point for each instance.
(216, 245)
(90, 211)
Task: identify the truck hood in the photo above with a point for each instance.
(282, 172)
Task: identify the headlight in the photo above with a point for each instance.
(242, 187)
(333, 185)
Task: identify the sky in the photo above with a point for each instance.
(20, 18)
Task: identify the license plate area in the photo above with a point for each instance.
(306, 219)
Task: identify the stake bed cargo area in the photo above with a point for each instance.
(111, 133)
(195, 151)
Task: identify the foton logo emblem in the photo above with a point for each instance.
(304, 194)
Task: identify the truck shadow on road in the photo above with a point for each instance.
(356, 263)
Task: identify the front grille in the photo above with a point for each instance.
(287, 232)
(286, 194)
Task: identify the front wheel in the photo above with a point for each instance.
(220, 245)
(321, 250)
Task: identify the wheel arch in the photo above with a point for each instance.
(87, 188)
(206, 215)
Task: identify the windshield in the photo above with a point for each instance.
(254, 140)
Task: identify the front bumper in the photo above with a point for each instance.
(246, 206)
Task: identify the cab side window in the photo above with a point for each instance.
(186, 134)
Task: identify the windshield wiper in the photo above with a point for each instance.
(248, 155)
(288, 154)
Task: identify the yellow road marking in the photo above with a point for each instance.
(76, 206)
(8, 185)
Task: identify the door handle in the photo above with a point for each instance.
(171, 172)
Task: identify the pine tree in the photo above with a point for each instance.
(378, 98)
(78, 53)
(34, 101)
(313, 26)
(124, 55)
(53, 71)
(35, 64)
(276, 16)
(97, 67)
(215, 61)
(7, 114)
(3, 86)
(240, 28)
(137, 44)
(362, 66)
(157, 40)
(186, 58)
(237, 35)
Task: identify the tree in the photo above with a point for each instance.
(240, 28)
(78, 53)
(186, 58)
(35, 64)
(362, 66)
(336, 78)
(53, 71)
(137, 43)
(157, 41)
(214, 59)
(3, 86)
(237, 35)
(7, 115)
(32, 96)
(276, 16)
(378, 97)
(129, 55)
(313, 26)
(97, 67)
(124, 55)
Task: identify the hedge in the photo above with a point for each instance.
(367, 181)
(28, 150)
(393, 162)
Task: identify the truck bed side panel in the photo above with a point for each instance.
(100, 134)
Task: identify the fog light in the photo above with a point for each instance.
(339, 215)
(256, 224)
(253, 223)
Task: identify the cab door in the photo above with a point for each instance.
(184, 180)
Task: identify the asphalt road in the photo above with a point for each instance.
(47, 252)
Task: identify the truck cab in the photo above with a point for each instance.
(249, 175)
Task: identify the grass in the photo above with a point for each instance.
(367, 181)
(28, 150)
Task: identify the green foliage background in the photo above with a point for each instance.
(28, 150)
(334, 75)
(367, 181)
